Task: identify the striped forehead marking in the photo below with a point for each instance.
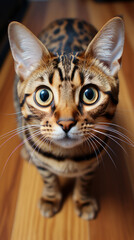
(51, 78)
(64, 66)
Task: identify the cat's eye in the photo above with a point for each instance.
(90, 95)
(43, 97)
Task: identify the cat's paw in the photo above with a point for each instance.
(87, 210)
(48, 208)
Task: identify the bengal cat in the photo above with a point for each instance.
(67, 92)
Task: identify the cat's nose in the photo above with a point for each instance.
(66, 124)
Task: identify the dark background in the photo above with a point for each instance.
(9, 10)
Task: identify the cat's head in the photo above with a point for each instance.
(68, 96)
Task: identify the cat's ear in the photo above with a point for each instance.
(107, 45)
(27, 50)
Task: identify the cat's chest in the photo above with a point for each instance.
(67, 35)
(66, 168)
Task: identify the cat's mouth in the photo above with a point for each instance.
(68, 142)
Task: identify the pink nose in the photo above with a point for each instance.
(66, 124)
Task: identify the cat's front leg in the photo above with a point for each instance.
(85, 205)
(50, 201)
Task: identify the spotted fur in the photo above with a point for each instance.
(62, 139)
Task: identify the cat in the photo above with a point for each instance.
(67, 91)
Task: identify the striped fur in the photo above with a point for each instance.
(63, 140)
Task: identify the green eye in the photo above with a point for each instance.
(90, 96)
(43, 97)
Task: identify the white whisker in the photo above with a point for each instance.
(99, 142)
(16, 130)
(16, 133)
(91, 142)
(110, 137)
(12, 154)
(113, 124)
(10, 114)
(124, 138)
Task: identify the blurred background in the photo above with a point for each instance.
(20, 184)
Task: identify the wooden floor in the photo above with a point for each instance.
(21, 185)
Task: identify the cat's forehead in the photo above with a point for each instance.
(66, 62)
(62, 68)
(79, 71)
(68, 70)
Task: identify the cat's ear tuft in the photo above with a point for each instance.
(27, 50)
(107, 45)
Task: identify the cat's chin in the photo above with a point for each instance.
(68, 143)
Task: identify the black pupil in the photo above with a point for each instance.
(44, 95)
(89, 93)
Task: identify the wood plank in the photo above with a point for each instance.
(10, 166)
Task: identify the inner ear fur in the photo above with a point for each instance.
(107, 45)
(26, 48)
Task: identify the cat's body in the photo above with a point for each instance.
(67, 89)
(67, 36)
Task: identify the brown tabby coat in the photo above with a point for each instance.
(67, 87)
